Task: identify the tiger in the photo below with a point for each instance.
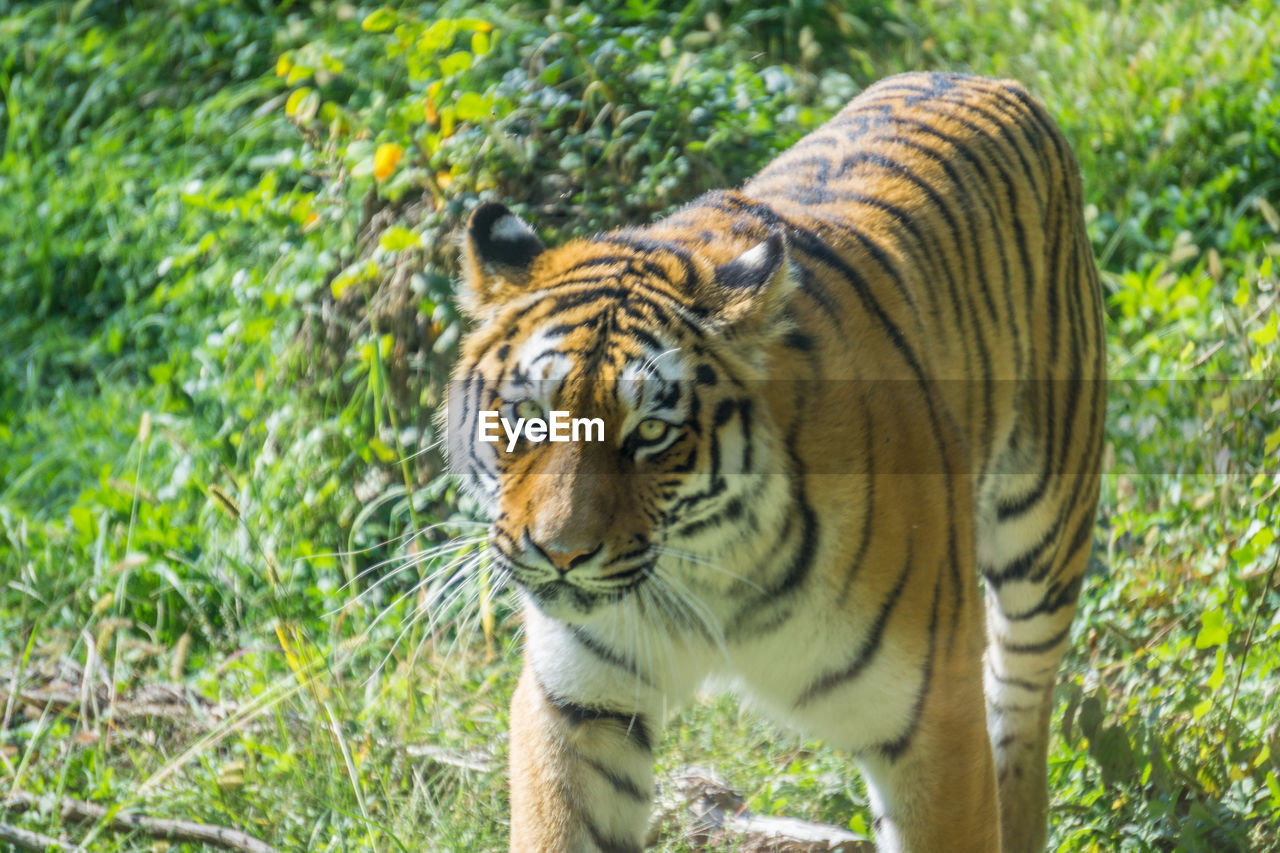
(850, 466)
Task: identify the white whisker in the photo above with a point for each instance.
(694, 558)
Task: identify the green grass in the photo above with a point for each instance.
(224, 337)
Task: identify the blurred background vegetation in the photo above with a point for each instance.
(227, 237)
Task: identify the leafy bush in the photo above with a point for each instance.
(229, 235)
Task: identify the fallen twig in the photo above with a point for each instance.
(477, 761)
(709, 812)
(79, 811)
(25, 839)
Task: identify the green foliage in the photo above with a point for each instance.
(227, 281)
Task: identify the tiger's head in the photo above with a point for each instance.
(652, 353)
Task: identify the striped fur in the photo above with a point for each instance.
(877, 372)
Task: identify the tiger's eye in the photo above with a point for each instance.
(528, 409)
(652, 429)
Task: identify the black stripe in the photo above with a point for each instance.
(1055, 598)
(1035, 648)
(1011, 192)
(868, 505)
(867, 651)
(1012, 508)
(608, 655)
(622, 784)
(1082, 535)
(943, 268)
(1020, 566)
(980, 193)
(578, 715)
(609, 845)
(772, 599)
(894, 749)
(1020, 683)
(644, 243)
(797, 341)
(704, 374)
(809, 285)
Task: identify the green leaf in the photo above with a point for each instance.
(379, 21)
(1069, 713)
(1090, 716)
(1114, 755)
(305, 109)
(1213, 630)
(1219, 671)
(437, 35)
(1274, 787)
(471, 107)
(1272, 442)
(455, 62)
(396, 239)
(1266, 334)
(302, 104)
(1242, 294)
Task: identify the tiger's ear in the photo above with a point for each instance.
(498, 252)
(750, 290)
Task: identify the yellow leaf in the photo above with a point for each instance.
(1267, 333)
(295, 100)
(298, 73)
(1272, 442)
(397, 239)
(287, 648)
(385, 160)
(283, 65)
(381, 450)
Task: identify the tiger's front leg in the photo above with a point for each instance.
(581, 775)
(935, 789)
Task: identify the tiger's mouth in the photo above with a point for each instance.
(557, 591)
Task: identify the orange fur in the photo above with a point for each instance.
(888, 358)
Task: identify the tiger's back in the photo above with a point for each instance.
(939, 219)
(944, 271)
(912, 397)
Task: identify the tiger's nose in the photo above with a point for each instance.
(564, 560)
